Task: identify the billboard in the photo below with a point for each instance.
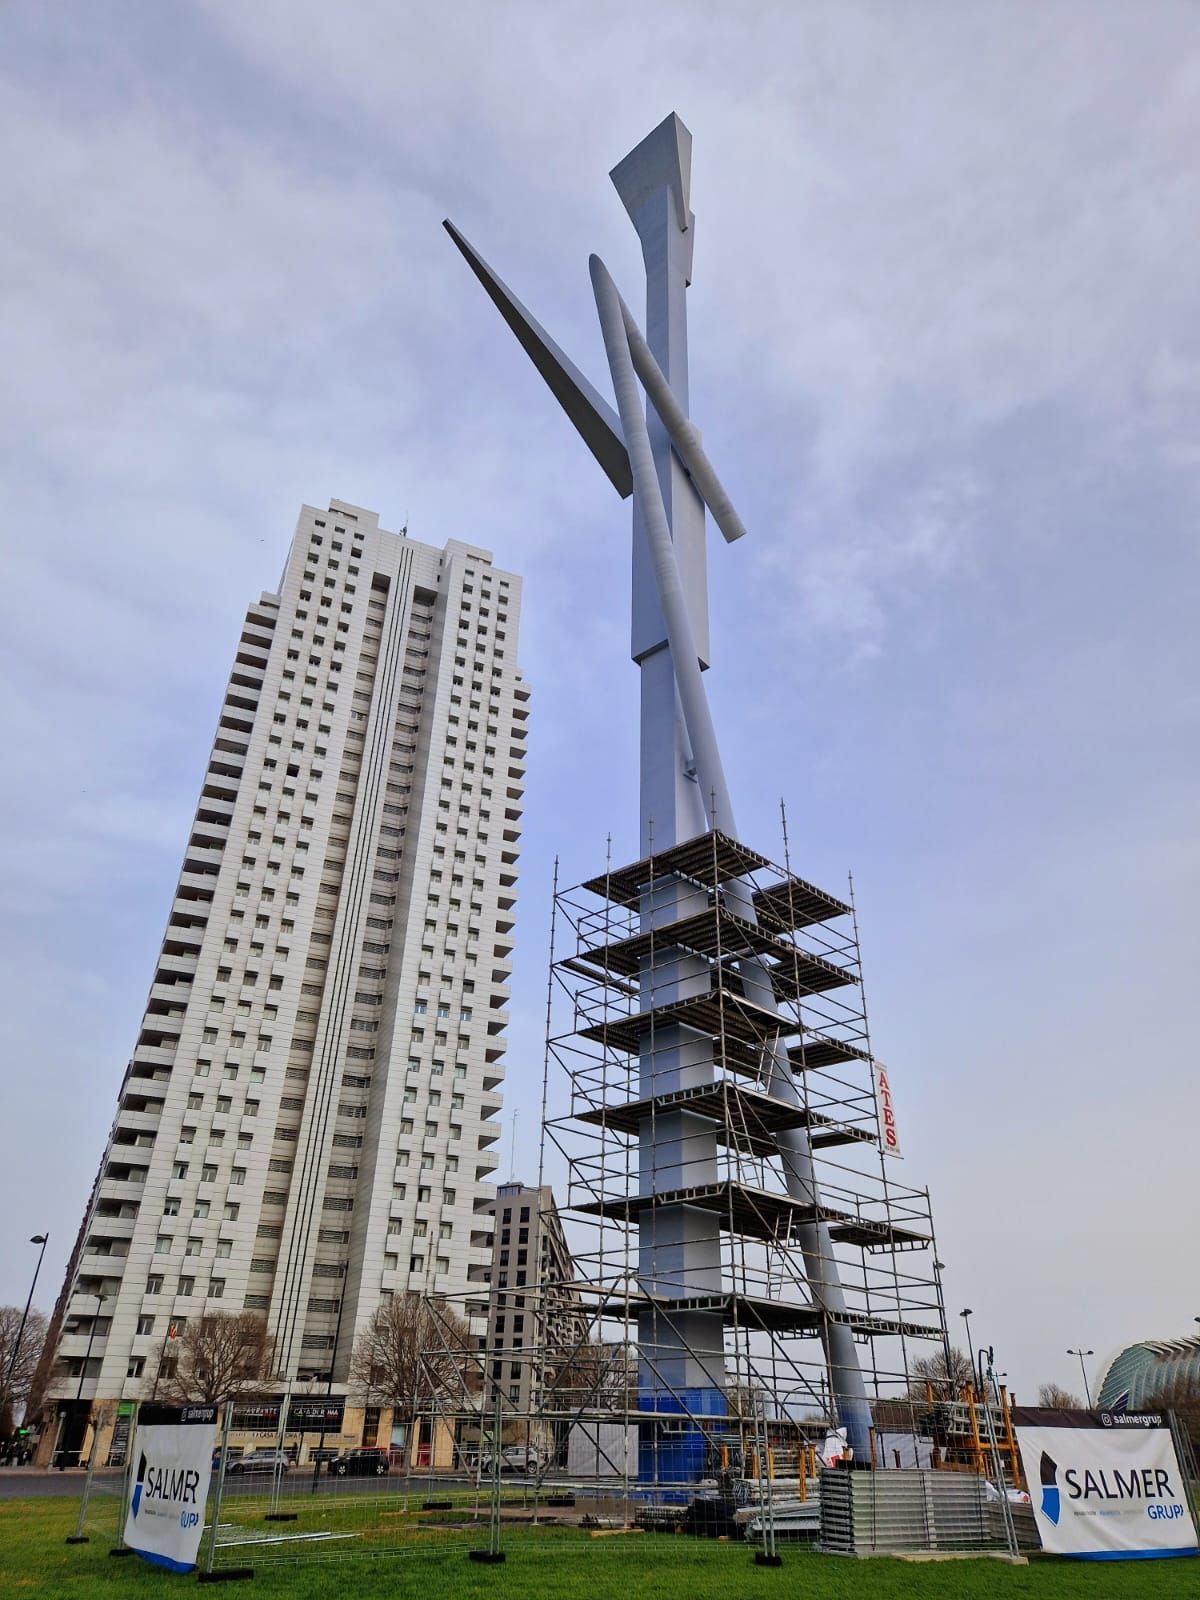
(169, 1487)
(1105, 1485)
(305, 1414)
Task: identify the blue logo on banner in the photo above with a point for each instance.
(1050, 1492)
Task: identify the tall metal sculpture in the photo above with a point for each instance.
(656, 455)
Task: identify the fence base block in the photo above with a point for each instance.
(77, 1538)
(490, 1558)
(226, 1575)
(761, 1559)
(282, 1516)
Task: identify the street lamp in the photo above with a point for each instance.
(1083, 1370)
(966, 1315)
(37, 1238)
(938, 1268)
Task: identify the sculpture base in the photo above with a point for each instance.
(674, 1447)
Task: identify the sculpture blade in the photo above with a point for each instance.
(594, 419)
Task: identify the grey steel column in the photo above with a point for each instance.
(679, 1249)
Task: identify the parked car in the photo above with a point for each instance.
(515, 1458)
(361, 1464)
(260, 1461)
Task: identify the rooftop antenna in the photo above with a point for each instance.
(512, 1149)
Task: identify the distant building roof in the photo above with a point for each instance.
(1141, 1371)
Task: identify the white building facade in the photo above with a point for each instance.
(306, 1124)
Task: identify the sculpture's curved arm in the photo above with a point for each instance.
(685, 436)
(693, 697)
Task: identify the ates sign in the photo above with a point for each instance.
(888, 1136)
(169, 1487)
(1105, 1485)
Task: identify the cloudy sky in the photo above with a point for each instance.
(946, 354)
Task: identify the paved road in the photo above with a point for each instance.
(24, 1483)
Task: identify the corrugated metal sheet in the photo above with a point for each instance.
(905, 1512)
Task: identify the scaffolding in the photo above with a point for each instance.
(664, 1102)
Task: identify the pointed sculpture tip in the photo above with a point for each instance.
(664, 157)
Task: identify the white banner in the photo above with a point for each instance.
(889, 1138)
(165, 1516)
(1105, 1485)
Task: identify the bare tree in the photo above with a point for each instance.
(931, 1371)
(415, 1352)
(594, 1376)
(14, 1388)
(1182, 1396)
(217, 1357)
(745, 1400)
(1054, 1395)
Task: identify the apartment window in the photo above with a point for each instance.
(145, 1324)
(162, 1245)
(154, 1283)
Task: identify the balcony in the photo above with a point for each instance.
(215, 813)
(132, 1154)
(93, 1265)
(152, 1085)
(154, 1055)
(187, 913)
(111, 1228)
(159, 1033)
(200, 856)
(136, 1102)
(173, 994)
(121, 1189)
(86, 1305)
(137, 1121)
(202, 883)
(183, 966)
(75, 1345)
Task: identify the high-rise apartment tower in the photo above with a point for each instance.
(306, 1123)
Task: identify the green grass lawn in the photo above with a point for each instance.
(552, 1564)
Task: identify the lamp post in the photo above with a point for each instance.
(966, 1314)
(938, 1268)
(1083, 1372)
(37, 1238)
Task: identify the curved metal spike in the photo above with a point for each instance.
(594, 419)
